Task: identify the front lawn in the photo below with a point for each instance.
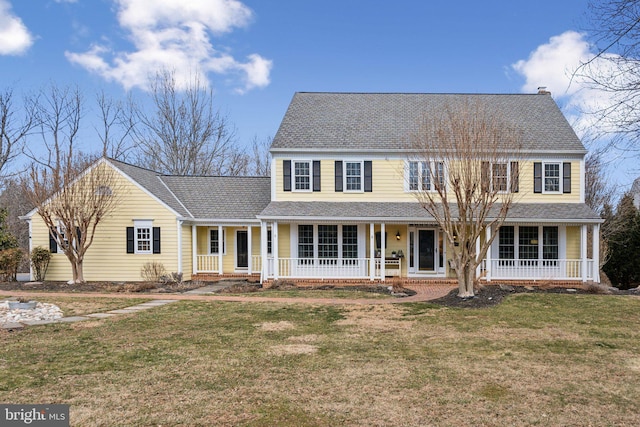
(535, 359)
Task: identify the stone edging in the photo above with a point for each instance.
(127, 310)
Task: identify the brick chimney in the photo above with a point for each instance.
(542, 90)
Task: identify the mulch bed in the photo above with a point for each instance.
(491, 295)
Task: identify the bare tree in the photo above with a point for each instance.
(260, 159)
(615, 70)
(117, 122)
(185, 134)
(468, 182)
(598, 189)
(13, 129)
(72, 203)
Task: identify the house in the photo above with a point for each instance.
(341, 205)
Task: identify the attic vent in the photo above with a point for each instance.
(104, 190)
(542, 90)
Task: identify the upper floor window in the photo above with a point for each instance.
(302, 176)
(425, 176)
(499, 176)
(552, 177)
(353, 176)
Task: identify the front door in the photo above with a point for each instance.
(242, 252)
(426, 250)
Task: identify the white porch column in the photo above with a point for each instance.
(372, 252)
(583, 251)
(179, 246)
(222, 246)
(194, 249)
(249, 252)
(596, 253)
(488, 266)
(274, 250)
(263, 251)
(383, 249)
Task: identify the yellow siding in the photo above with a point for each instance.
(389, 185)
(573, 242)
(284, 240)
(107, 259)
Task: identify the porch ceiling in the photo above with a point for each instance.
(413, 213)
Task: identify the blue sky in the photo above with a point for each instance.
(257, 53)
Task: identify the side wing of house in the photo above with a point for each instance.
(141, 230)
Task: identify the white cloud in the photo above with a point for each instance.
(175, 35)
(15, 38)
(553, 64)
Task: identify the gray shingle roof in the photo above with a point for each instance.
(384, 121)
(382, 211)
(221, 197)
(204, 197)
(150, 180)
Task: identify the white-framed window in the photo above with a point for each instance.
(528, 244)
(353, 176)
(425, 176)
(215, 243)
(302, 173)
(327, 242)
(142, 236)
(552, 177)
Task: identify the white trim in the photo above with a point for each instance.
(249, 250)
(274, 249)
(221, 232)
(372, 253)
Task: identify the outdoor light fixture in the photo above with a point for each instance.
(398, 235)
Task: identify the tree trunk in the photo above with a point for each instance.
(77, 272)
(466, 276)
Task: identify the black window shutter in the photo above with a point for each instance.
(130, 241)
(338, 175)
(286, 174)
(156, 240)
(537, 177)
(368, 176)
(316, 175)
(566, 177)
(485, 177)
(53, 246)
(515, 177)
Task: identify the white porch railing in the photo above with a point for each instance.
(326, 268)
(531, 269)
(207, 263)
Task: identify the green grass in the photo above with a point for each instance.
(543, 359)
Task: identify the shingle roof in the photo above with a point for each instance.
(151, 181)
(406, 211)
(385, 121)
(204, 197)
(221, 197)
